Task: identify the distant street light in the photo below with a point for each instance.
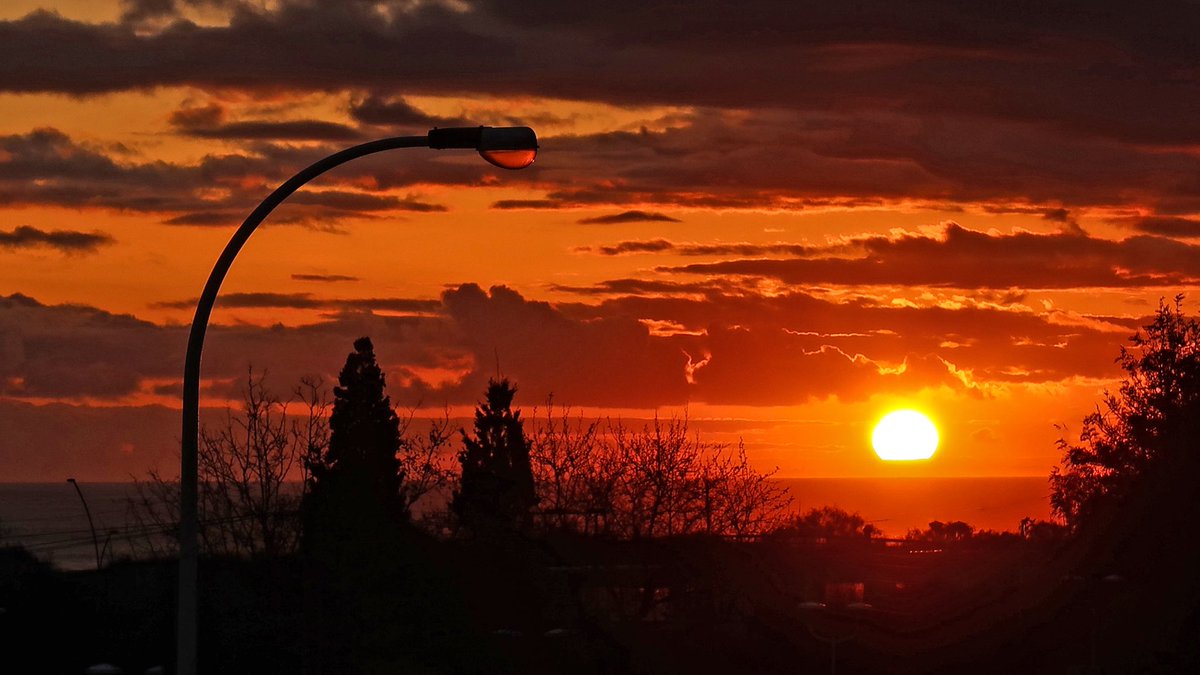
(505, 147)
(92, 525)
(832, 640)
(1095, 585)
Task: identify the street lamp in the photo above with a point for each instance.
(505, 147)
(92, 525)
(1095, 585)
(831, 639)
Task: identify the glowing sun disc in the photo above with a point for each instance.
(904, 435)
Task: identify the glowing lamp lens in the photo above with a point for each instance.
(510, 159)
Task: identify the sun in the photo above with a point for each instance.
(904, 435)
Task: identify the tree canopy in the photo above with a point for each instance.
(829, 522)
(496, 489)
(1148, 422)
(355, 484)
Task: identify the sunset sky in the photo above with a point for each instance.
(781, 219)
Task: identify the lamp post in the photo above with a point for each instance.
(1095, 585)
(92, 525)
(831, 639)
(505, 147)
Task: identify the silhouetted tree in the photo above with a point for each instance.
(1041, 531)
(496, 486)
(247, 504)
(354, 489)
(574, 480)
(361, 575)
(1151, 418)
(424, 465)
(829, 522)
(955, 530)
(656, 481)
(674, 483)
(1128, 490)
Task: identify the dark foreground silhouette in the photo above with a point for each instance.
(643, 565)
(583, 605)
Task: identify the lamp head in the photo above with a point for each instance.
(505, 147)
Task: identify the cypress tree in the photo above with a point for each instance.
(354, 487)
(353, 516)
(496, 492)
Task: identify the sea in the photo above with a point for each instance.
(897, 505)
(49, 519)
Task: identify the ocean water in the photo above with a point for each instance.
(48, 518)
(896, 505)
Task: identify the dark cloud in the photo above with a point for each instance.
(198, 117)
(308, 301)
(394, 111)
(642, 287)
(70, 350)
(711, 159)
(630, 217)
(1017, 61)
(206, 219)
(324, 278)
(67, 241)
(209, 121)
(527, 204)
(357, 202)
(665, 246)
(46, 167)
(73, 351)
(735, 160)
(291, 130)
(963, 258)
(1123, 73)
(137, 11)
(1059, 215)
(604, 361)
(654, 246)
(1167, 226)
(642, 348)
(743, 249)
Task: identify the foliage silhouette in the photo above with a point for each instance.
(354, 492)
(247, 503)
(941, 532)
(496, 491)
(1041, 531)
(660, 480)
(828, 522)
(1127, 493)
(1149, 420)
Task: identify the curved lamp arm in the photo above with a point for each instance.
(506, 147)
(91, 524)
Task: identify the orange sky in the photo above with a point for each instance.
(782, 233)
